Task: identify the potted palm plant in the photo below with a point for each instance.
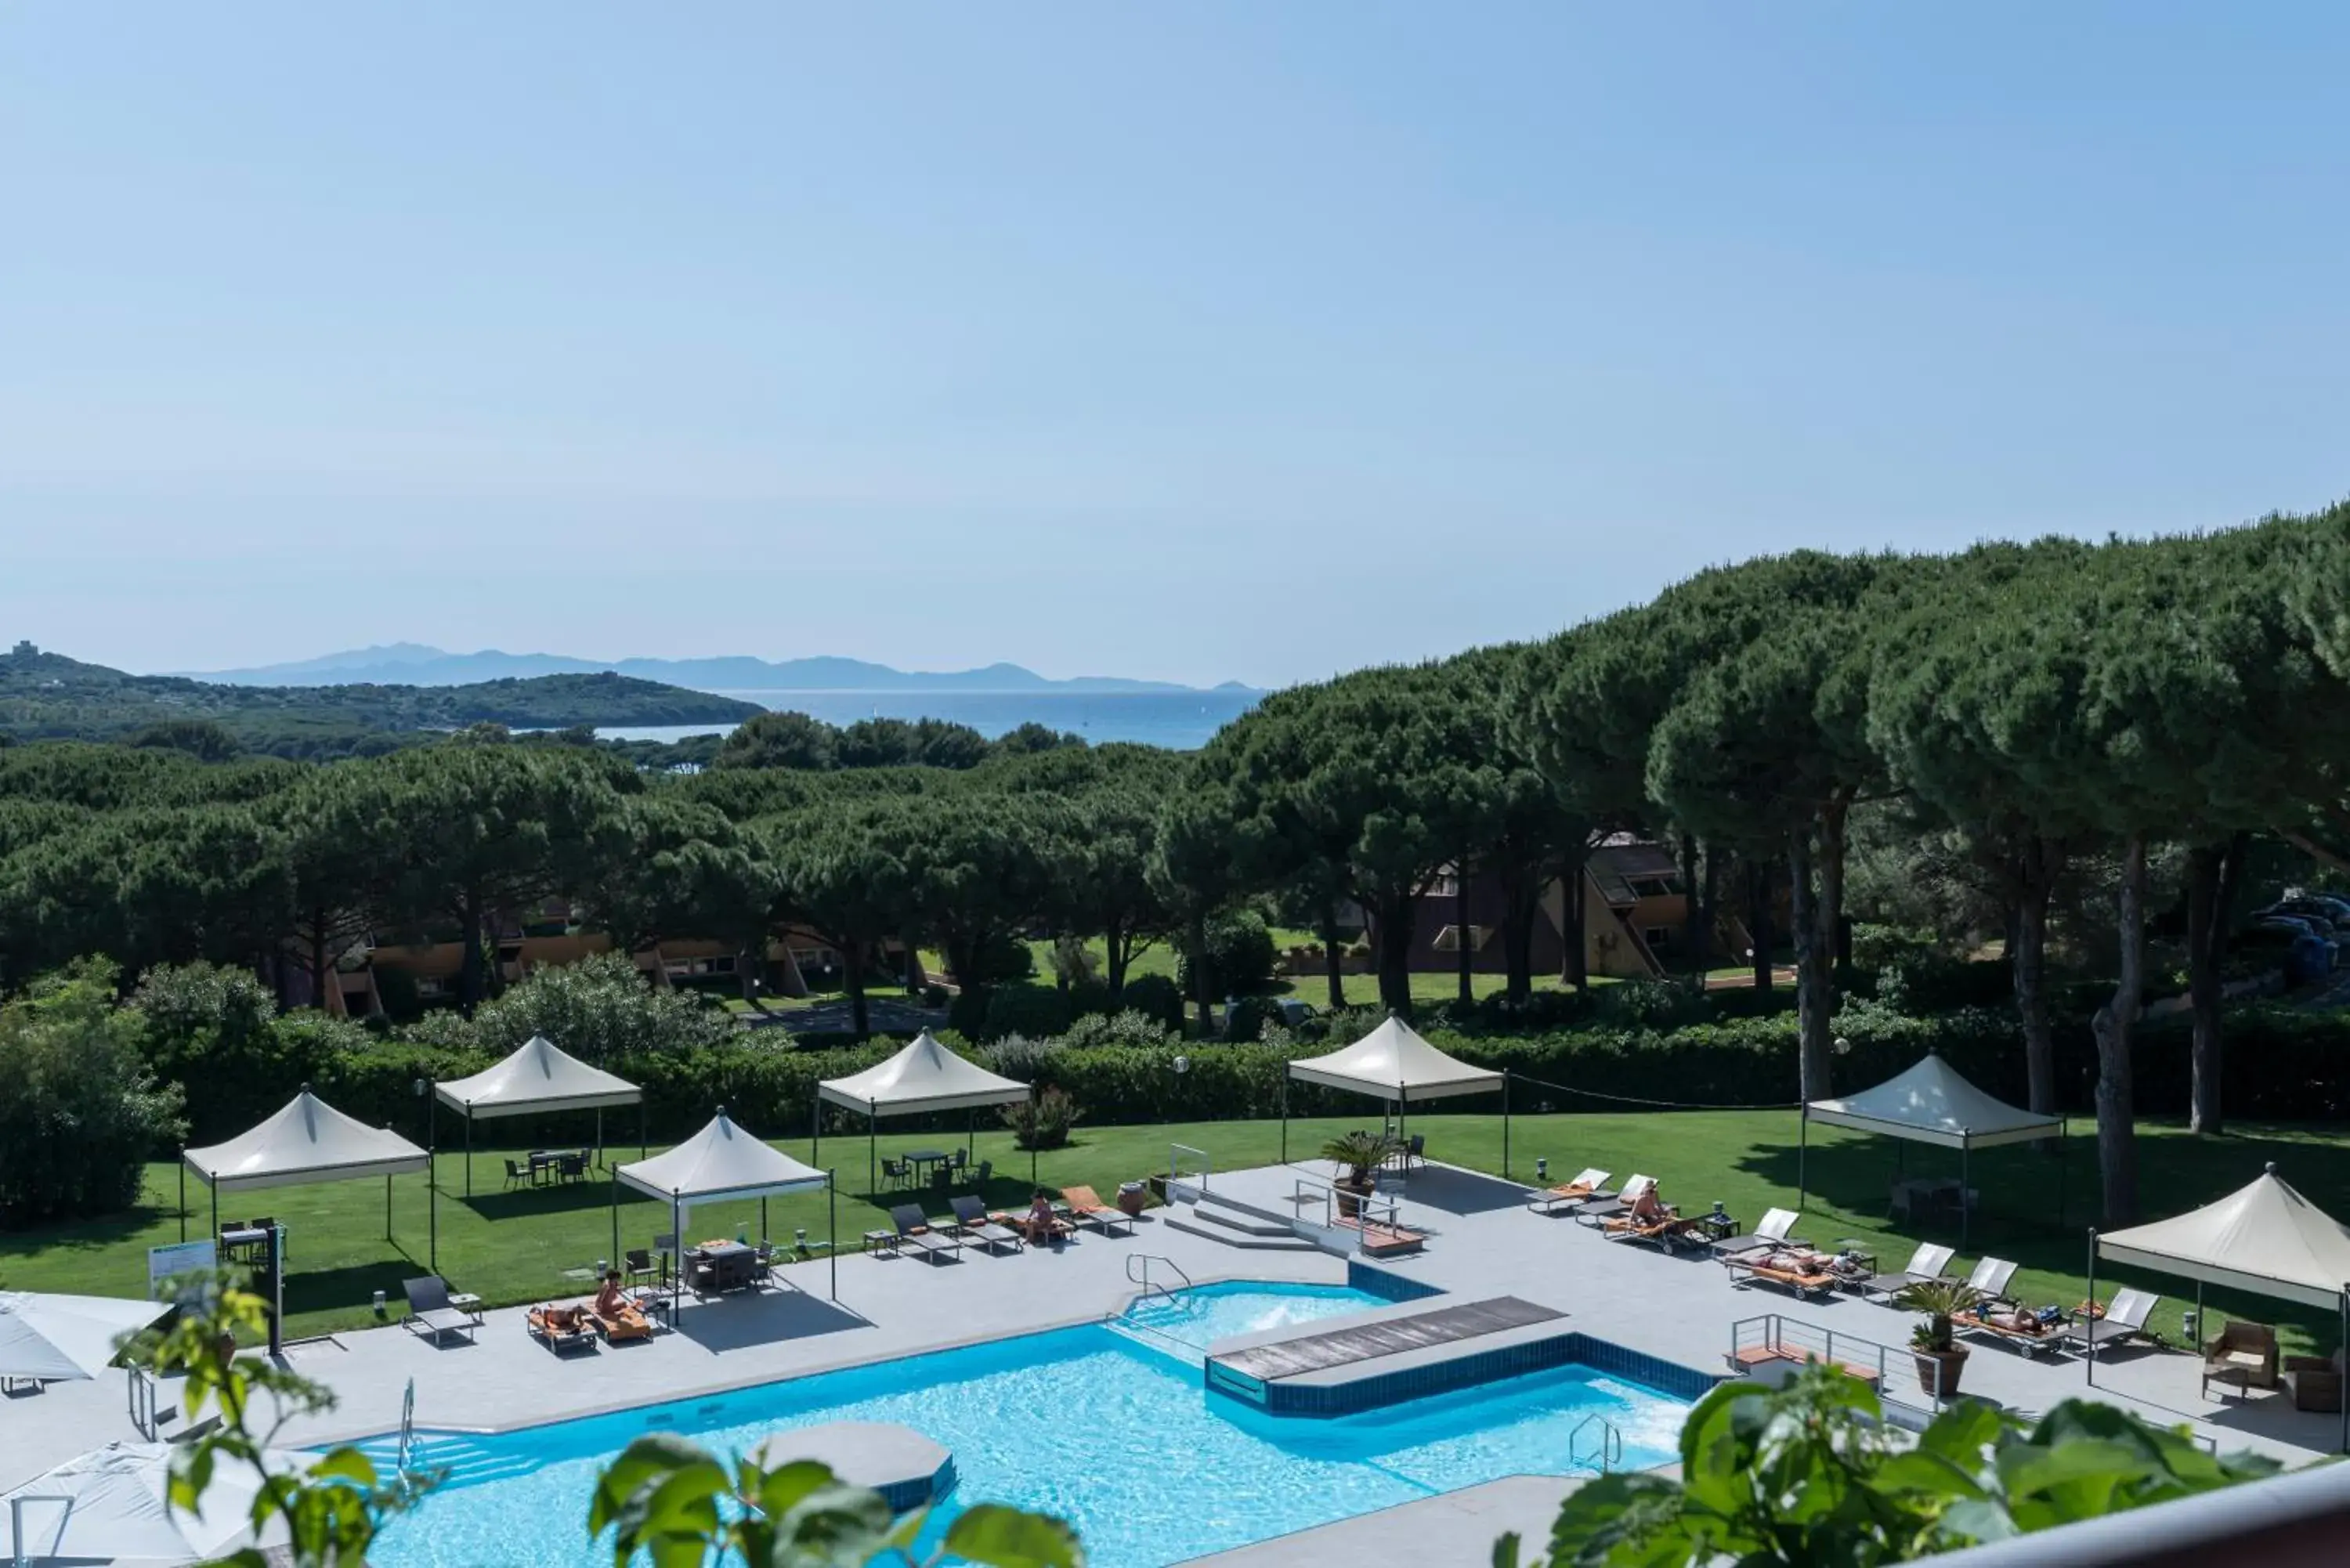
(1933, 1343)
(1359, 1154)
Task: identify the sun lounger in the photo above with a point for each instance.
(1989, 1282)
(914, 1231)
(1978, 1319)
(429, 1311)
(560, 1329)
(2125, 1319)
(1775, 1233)
(1799, 1272)
(1669, 1232)
(973, 1223)
(1926, 1263)
(1600, 1209)
(1588, 1187)
(1085, 1207)
(621, 1327)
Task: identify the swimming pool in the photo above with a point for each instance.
(1109, 1429)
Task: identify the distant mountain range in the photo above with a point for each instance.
(414, 664)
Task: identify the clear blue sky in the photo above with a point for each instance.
(1191, 341)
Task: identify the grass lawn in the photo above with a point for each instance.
(515, 1246)
(1362, 990)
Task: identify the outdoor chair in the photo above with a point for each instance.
(516, 1173)
(1926, 1263)
(1604, 1209)
(762, 1264)
(640, 1269)
(2316, 1381)
(2244, 1357)
(623, 1327)
(1802, 1273)
(1586, 1188)
(571, 1167)
(561, 1329)
(2125, 1319)
(1412, 1150)
(972, 1222)
(942, 1178)
(896, 1172)
(914, 1231)
(1773, 1234)
(1087, 1208)
(429, 1311)
(985, 1174)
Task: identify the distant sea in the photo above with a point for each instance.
(1179, 721)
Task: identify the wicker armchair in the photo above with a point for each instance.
(2244, 1356)
(2316, 1381)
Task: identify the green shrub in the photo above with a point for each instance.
(1130, 1027)
(1240, 956)
(1043, 1122)
(1030, 1010)
(1652, 1005)
(1000, 958)
(82, 1113)
(1154, 996)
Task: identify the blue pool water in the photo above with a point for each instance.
(1090, 1423)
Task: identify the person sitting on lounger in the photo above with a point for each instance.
(611, 1302)
(1647, 1209)
(1037, 1223)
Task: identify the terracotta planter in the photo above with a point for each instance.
(1938, 1370)
(1131, 1201)
(1350, 1197)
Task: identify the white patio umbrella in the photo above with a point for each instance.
(59, 1339)
(110, 1506)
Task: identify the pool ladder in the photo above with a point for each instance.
(1606, 1449)
(1142, 1276)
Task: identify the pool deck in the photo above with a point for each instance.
(1483, 1243)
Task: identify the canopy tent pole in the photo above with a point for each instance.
(599, 1135)
(1802, 1157)
(2062, 1133)
(815, 1126)
(2089, 1352)
(970, 1132)
(387, 1207)
(1506, 1124)
(872, 1159)
(214, 1184)
(765, 1237)
(1285, 1120)
(642, 1144)
(2200, 1333)
(184, 1195)
(2345, 1340)
(677, 1239)
(469, 1148)
(1966, 1151)
(433, 1176)
(832, 1229)
(616, 1214)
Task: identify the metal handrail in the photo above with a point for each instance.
(407, 1428)
(1811, 1342)
(1607, 1455)
(1144, 1279)
(21, 1553)
(1175, 1165)
(140, 1394)
(1370, 1209)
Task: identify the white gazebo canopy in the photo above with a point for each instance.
(2264, 1238)
(60, 1339)
(115, 1509)
(1396, 1065)
(721, 1161)
(1931, 1102)
(538, 1076)
(924, 1076)
(310, 1140)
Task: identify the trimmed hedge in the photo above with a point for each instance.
(2283, 1063)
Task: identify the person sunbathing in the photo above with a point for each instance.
(612, 1301)
(1038, 1221)
(1649, 1209)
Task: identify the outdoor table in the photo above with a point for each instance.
(727, 1262)
(467, 1303)
(238, 1242)
(649, 1302)
(876, 1240)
